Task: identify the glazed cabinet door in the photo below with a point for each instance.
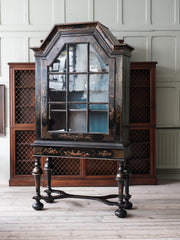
(77, 94)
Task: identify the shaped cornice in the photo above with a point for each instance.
(98, 30)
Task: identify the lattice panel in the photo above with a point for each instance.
(140, 96)
(24, 96)
(24, 152)
(140, 151)
(65, 166)
(100, 167)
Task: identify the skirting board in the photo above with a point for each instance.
(168, 173)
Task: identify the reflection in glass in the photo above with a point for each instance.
(57, 107)
(57, 82)
(59, 65)
(57, 121)
(78, 106)
(98, 107)
(78, 58)
(98, 122)
(70, 95)
(98, 87)
(77, 87)
(96, 63)
(57, 88)
(57, 96)
(77, 121)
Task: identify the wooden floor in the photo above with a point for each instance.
(155, 215)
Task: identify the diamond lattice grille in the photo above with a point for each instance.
(24, 96)
(65, 166)
(140, 151)
(100, 167)
(140, 96)
(24, 152)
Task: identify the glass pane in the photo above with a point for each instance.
(57, 88)
(77, 121)
(78, 88)
(78, 58)
(99, 107)
(78, 106)
(57, 82)
(54, 107)
(57, 121)
(98, 87)
(59, 65)
(98, 122)
(96, 63)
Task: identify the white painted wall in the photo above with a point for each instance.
(151, 26)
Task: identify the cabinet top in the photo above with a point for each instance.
(92, 28)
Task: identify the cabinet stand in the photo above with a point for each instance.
(122, 178)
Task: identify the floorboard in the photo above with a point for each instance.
(155, 215)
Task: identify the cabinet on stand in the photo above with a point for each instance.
(82, 106)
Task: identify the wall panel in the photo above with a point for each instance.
(164, 51)
(77, 11)
(58, 11)
(12, 50)
(12, 12)
(168, 154)
(40, 12)
(140, 44)
(134, 12)
(111, 15)
(163, 12)
(165, 100)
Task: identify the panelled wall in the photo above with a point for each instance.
(151, 26)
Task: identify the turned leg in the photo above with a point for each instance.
(128, 205)
(120, 212)
(37, 172)
(48, 169)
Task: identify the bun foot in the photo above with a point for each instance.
(38, 206)
(128, 205)
(120, 213)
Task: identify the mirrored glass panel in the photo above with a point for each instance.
(54, 107)
(78, 58)
(57, 82)
(79, 106)
(96, 63)
(98, 107)
(77, 92)
(57, 88)
(78, 88)
(98, 122)
(59, 65)
(98, 87)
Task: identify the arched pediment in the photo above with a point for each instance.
(101, 33)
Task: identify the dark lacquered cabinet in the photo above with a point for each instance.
(82, 104)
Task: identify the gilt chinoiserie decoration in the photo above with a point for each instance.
(82, 104)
